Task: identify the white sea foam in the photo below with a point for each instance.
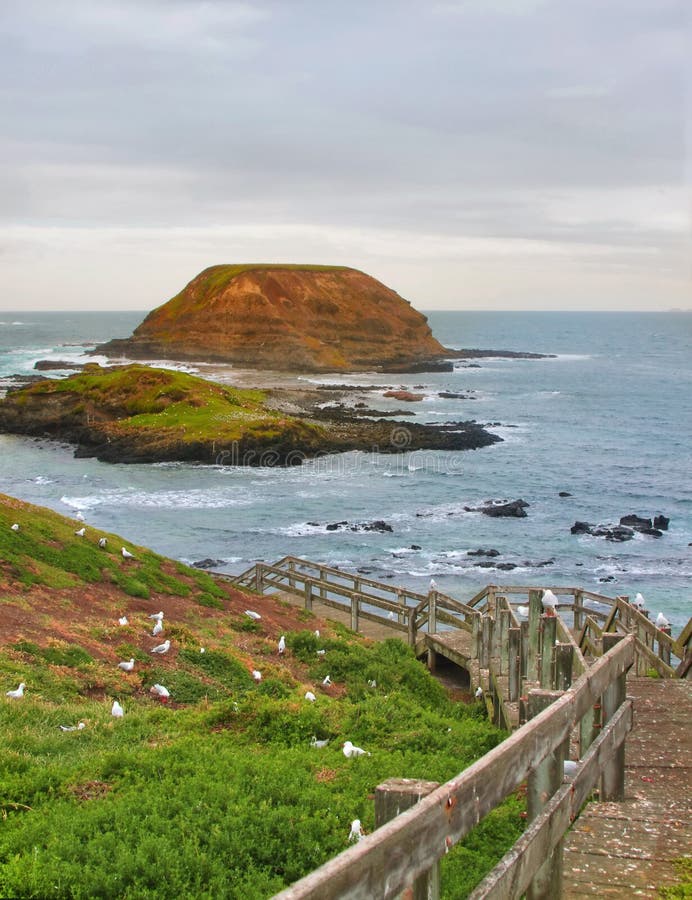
(189, 499)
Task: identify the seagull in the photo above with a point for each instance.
(158, 690)
(157, 629)
(318, 745)
(14, 527)
(317, 633)
(162, 648)
(252, 614)
(661, 621)
(321, 652)
(327, 681)
(372, 683)
(639, 602)
(158, 615)
(282, 644)
(357, 833)
(523, 611)
(79, 515)
(127, 666)
(569, 768)
(433, 584)
(81, 532)
(310, 696)
(257, 675)
(15, 695)
(126, 553)
(390, 614)
(72, 727)
(350, 751)
(102, 543)
(117, 710)
(549, 601)
(202, 650)
(123, 620)
(479, 693)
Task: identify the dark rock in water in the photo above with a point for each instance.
(336, 525)
(377, 525)
(606, 579)
(46, 365)
(314, 524)
(208, 563)
(581, 528)
(564, 494)
(505, 566)
(661, 522)
(452, 395)
(539, 565)
(636, 522)
(415, 547)
(515, 508)
(617, 533)
(653, 532)
(481, 552)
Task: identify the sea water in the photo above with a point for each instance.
(607, 420)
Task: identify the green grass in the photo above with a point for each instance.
(683, 890)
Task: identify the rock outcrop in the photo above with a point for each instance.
(289, 318)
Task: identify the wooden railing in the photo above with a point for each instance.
(393, 857)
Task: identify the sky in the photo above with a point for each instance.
(470, 154)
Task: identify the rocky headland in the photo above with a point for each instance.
(292, 318)
(138, 413)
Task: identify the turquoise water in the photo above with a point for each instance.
(608, 420)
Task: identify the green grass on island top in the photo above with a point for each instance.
(217, 793)
(137, 399)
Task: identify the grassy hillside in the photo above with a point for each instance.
(216, 793)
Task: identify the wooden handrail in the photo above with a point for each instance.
(383, 863)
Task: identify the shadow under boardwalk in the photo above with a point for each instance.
(627, 849)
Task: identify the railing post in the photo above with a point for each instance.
(486, 638)
(476, 636)
(532, 650)
(613, 777)
(291, 578)
(259, 578)
(432, 612)
(664, 648)
(391, 799)
(543, 782)
(564, 661)
(308, 594)
(401, 600)
(322, 589)
(355, 603)
(642, 664)
(524, 647)
(578, 610)
(514, 663)
(412, 628)
(503, 639)
(548, 628)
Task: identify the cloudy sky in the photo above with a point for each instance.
(471, 154)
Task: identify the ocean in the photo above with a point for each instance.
(608, 421)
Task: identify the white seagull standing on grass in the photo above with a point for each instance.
(117, 710)
(123, 620)
(326, 682)
(158, 615)
(310, 696)
(14, 527)
(81, 532)
(126, 553)
(15, 695)
(318, 745)
(157, 629)
(127, 666)
(350, 751)
(162, 648)
(102, 543)
(158, 690)
(282, 644)
(251, 614)
(357, 833)
(72, 727)
(257, 675)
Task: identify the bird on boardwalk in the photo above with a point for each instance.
(126, 553)
(127, 666)
(639, 602)
(523, 611)
(350, 751)
(157, 629)
(549, 601)
(433, 584)
(479, 693)
(117, 710)
(390, 615)
(72, 727)
(326, 681)
(123, 620)
(162, 648)
(158, 690)
(569, 768)
(357, 833)
(15, 695)
(14, 527)
(257, 675)
(102, 543)
(81, 532)
(282, 644)
(310, 696)
(661, 621)
(318, 745)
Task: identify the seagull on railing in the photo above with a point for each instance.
(549, 601)
(569, 768)
(661, 621)
(639, 602)
(523, 611)
(356, 833)
(433, 584)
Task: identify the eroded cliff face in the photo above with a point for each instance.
(288, 318)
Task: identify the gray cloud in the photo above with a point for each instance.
(558, 123)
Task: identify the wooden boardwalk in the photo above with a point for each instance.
(626, 849)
